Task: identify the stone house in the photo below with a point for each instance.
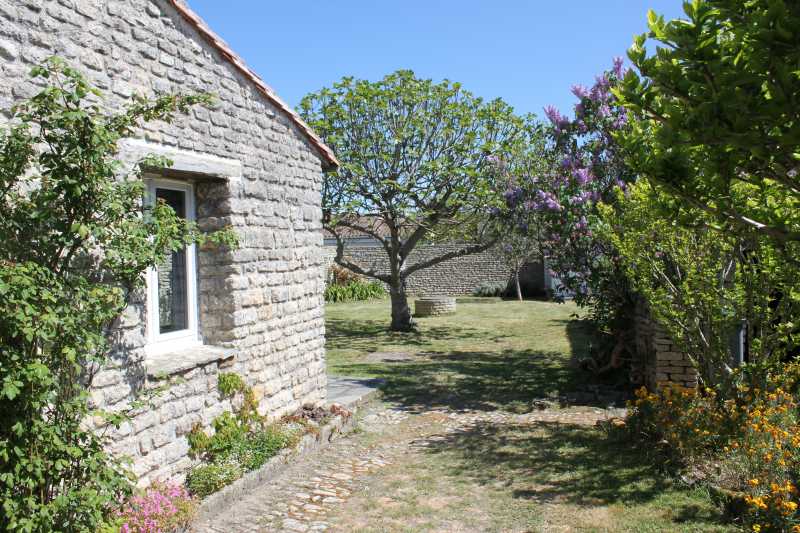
(249, 162)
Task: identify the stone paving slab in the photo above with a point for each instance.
(350, 392)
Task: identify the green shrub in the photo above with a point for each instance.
(229, 384)
(743, 437)
(206, 479)
(487, 289)
(354, 291)
(255, 450)
(73, 247)
(242, 441)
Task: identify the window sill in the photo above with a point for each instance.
(178, 361)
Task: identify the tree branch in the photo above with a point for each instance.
(358, 269)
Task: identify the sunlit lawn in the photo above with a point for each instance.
(492, 355)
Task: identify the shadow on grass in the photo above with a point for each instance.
(373, 335)
(551, 462)
(473, 380)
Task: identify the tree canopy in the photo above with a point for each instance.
(720, 103)
(416, 165)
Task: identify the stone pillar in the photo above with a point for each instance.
(662, 359)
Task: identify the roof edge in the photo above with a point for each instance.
(222, 47)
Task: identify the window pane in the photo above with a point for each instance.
(173, 308)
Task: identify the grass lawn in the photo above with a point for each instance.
(497, 356)
(491, 354)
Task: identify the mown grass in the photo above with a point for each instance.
(491, 355)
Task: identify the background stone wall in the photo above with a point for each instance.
(454, 277)
(263, 299)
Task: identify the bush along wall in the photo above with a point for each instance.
(345, 286)
(242, 440)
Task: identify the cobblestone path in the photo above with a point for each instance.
(303, 496)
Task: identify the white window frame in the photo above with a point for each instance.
(157, 342)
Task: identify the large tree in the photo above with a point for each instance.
(416, 166)
(720, 101)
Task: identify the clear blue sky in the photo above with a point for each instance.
(528, 52)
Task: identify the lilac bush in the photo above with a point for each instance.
(586, 166)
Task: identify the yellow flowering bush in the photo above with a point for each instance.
(749, 430)
(689, 422)
(767, 453)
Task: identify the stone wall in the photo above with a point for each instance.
(662, 360)
(262, 301)
(454, 277)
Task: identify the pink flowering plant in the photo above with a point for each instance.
(162, 508)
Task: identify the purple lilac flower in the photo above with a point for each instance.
(604, 111)
(582, 176)
(547, 200)
(569, 162)
(555, 117)
(580, 199)
(513, 195)
(619, 70)
(580, 91)
(599, 92)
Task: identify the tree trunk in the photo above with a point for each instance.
(401, 312)
(516, 284)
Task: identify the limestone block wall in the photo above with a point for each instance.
(263, 300)
(459, 276)
(662, 358)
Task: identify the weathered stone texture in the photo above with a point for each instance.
(434, 306)
(662, 359)
(265, 298)
(458, 276)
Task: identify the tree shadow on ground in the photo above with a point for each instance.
(508, 380)
(372, 335)
(551, 462)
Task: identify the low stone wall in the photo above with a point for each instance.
(435, 306)
(454, 277)
(662, 360)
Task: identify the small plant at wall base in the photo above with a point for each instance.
(161, 508)
(242, 441)
(489, 290)
(346, 286)
(73, 247)
(354, 291)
